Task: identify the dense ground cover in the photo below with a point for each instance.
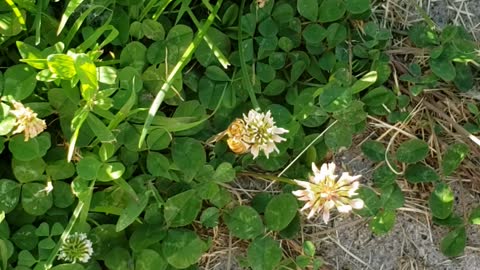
(124, 124)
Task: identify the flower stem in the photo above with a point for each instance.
(269, 178)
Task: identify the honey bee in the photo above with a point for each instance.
(234, 132)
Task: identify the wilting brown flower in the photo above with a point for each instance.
(324, 192)
(27, 121)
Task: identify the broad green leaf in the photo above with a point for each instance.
(88, 167)
(158, 139)
(134, 55)
(36, 199)
(209, 217)
(265, 73)
(118, 258)
(25, 238)
(331, 10)
(371, 201)
(205, 54)
(62, 65)
(107, 239)
(443, 68)
(314, 33)
(43, 230)
(452, 221)
(107, 75)
(260, 201)
(145, 236)
(375, 151)
(60, 169)
(293, 229)
(189, 156)
(392, 197)
(275, 87)
(132, 211)
(441, 201)
(280, 211)
(224, 173)
(158, 164)
(7, 124)
(453, 244)
(28, 171)
(62, 194)
(182, 248)
(357, 6)
(19, 81)
(243, 222)
(383, 222)
(383, 176)
(110, 171)
(87, 73)
(412, 151)
(25, 258)
(419, 173)
(9, 195)
(264, 253)
(308, 9)
(336, 34)
(352, 114)
(453, 157)
(33, 148)
(339, 136)
(153, 30)
(474, 217)
(464, 80)
(149, 259)
(31, 55)
(422, 35)
(215, 73)
(178, 39)
(68, 266)
(100, 129)
(182, 209)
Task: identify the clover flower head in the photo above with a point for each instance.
(323, 192)
(77, 247)
(27, 121)
(261, 133)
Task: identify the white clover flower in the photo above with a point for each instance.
(77, 247)
(324, 192)
(27, 121)
(261, 133)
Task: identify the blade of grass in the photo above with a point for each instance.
(147, 9)
(178, 67)
(163, 6)
(72, 5)
(78, 23)
(220, 56)
(17, 13)
(37, 23)
(78, 121)
(93, 38)
(184, 7)
(247, 84)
